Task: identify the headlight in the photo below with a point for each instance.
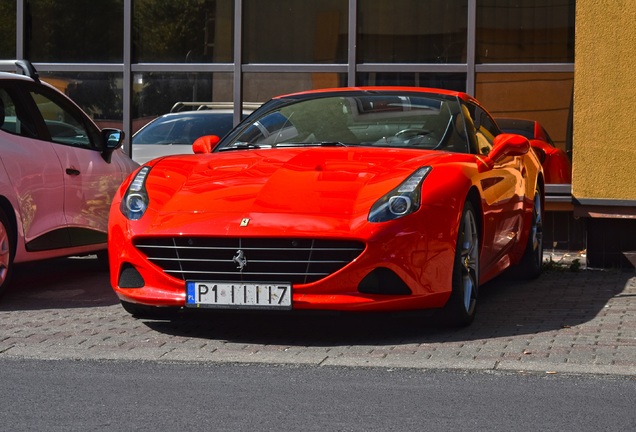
(401, 201)
(135, 201)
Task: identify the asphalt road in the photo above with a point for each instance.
(66, 395)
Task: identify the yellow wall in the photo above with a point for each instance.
(604, 130)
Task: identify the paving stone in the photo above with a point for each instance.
(563, 322)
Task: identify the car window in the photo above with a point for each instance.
(485, 128)
(269, 129)
(12, 117)
(64, 126)
(416, 121)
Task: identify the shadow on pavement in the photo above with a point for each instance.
(556, 300)
(61, 283)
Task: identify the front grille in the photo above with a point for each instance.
(298, 261)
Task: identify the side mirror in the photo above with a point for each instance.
(205, 144)
(113, 139)
(507, 145)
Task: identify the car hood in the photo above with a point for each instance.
(332, 183)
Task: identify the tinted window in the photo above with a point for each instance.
(7, 29)
(63, 121)
(305, 31)
(12, 116)
(74, 31)
(184, 31)
(525, 31)
(412, 31)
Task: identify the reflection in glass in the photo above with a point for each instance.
(448, 81)
(260, 87)
(412, 31)
(74, 31)
(295, 31)
(155, 93)
(184, 31)
(7, 29)
(544, 97)
(99, 94)
(525, 31)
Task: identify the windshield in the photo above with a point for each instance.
(426, 121)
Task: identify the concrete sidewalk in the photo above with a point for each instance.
(564, 322)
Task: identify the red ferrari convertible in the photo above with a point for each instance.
(349, 199)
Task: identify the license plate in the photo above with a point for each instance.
(238, 295)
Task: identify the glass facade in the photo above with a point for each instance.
(184, 31)
(68, 31)
(295, 31)
(7, 29)
(525, 31)
(127, 61)
(155, 93)
(450, 81)
(542, 96)
(412, 31)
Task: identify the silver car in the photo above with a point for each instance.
(174, 133)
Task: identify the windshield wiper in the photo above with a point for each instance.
(332, 144)
(312, 144)
(241, 146)
(248, 146)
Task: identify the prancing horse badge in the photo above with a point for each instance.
(245, 222)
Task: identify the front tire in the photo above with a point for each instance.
(6, 252)
(462, 304)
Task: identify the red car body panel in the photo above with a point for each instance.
(557, 167)
(326, 193)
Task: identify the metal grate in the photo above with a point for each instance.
(298, 261)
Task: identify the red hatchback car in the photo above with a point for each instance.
(348, 199)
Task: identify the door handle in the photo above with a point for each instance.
(72, 171)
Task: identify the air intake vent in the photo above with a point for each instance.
(298, 261)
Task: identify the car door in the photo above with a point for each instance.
(34, 178)
(90, 181)
(502, 191)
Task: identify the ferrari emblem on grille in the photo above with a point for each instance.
(245, 222)
(240, 260)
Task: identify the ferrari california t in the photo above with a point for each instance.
(349, 199)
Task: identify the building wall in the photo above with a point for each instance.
(604, 159)
(604, 149)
